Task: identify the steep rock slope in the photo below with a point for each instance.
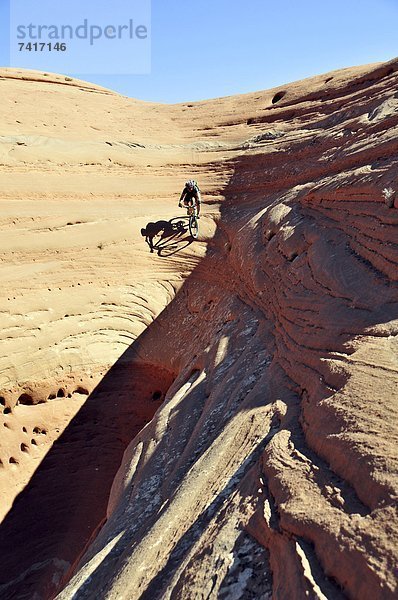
(270, 466)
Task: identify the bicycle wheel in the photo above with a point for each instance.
(193, 226)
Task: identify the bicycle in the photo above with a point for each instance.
(193, 223)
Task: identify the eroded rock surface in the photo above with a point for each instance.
(249, 378)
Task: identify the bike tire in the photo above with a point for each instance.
(193, 226)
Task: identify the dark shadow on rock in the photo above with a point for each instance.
(169, 236)
(64, 504)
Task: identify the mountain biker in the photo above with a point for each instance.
(190, 196)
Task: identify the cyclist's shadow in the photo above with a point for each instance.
(169, 235)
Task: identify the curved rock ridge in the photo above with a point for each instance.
(246, 384)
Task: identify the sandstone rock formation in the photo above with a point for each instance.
(213, 419)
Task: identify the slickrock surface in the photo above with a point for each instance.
(213, 419)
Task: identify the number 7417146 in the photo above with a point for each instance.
(42, 47)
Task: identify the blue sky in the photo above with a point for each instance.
(211, 48)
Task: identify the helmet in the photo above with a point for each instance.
(190, 184)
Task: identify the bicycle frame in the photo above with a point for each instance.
(192, 209)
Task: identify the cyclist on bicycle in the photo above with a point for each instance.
(190, 196)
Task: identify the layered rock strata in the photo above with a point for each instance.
(250, 378)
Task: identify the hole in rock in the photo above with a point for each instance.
(2, 401)
(278, 97)
(52, 397)
(24, 430)
(39, 430)
(25, 399)
(7, 410)
(328, 79)
(24, 448)
(61, 393)
(81, 390)
(64, 504)
(193, 376)
(13, 461)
